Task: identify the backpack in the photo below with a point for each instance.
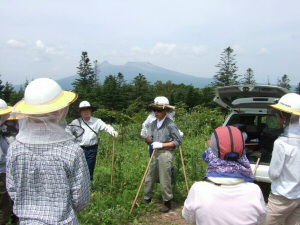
(230, 143)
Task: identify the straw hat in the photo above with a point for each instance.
(4, 109)
(44, 95)
(162, 103)
(289, 103)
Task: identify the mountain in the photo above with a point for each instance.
(132, 69)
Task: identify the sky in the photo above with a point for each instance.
(41, 38)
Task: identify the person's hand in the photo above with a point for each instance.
(148, 140)
(114, 134)
(181, 133)
(156, 145)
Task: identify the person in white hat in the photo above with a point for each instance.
(47, 174)
(146, 126)
(284, 171)
(89, 140)
(5, 201)
(165, 137)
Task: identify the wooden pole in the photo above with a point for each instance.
(137, 194)
(112, 165)
(256, 165)
(187, 187)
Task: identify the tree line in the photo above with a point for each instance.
(129, 97)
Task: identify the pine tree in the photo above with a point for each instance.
(284, 82)
(7, 92)
(87, 80)
(297, 89)
(248, 77)
(1, 88)
(227, 74)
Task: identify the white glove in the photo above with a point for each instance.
(156, 145)
(114, 134)
(181, 133)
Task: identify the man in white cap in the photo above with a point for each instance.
(89, 140)
(284, 199)
(47, 174)
(5, 201)
(165, 137)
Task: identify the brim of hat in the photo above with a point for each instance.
(93, 108)
(6, 110)
(285, 109)
(66, 98)
(153, 105)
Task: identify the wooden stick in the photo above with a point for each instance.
(137, 194)
(187, 187)
(112, 165)
(256, 165)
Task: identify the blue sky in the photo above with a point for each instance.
(45, 38)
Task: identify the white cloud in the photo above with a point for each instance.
(16, 44)
(162, 48)
(263, 51)
(199, 50)
(39, 44)
(239, 49)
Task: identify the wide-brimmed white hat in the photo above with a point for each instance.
(162, 103)
(289, 103)
(86, 105)
(4, 108)
(43, 95)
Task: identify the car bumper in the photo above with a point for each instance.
(261, 173)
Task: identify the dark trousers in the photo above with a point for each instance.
(5, 202)
(90, 156)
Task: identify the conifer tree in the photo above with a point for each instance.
(227, 74)
(248, 77)
(87, 79)
(284, 82)
(298, 89)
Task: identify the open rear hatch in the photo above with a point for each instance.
(243, 97)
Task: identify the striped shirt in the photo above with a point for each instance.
(47, 182)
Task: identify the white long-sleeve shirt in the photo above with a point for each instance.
(211, 204)
(89, 138)
(285, 166)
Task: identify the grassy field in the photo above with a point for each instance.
(130, 162)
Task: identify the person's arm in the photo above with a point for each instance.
(188, 211)
(80, 182)
(10, 186)
(277, 160)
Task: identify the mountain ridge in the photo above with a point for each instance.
(131, 69)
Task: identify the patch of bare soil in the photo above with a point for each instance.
(173, 217)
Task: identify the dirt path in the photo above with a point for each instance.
(173, 217)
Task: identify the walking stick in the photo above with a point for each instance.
(187, 187)
(257, 162)
(137, 194)
(112, 165)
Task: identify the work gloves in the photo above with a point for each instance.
(156, 145)
(114, 134)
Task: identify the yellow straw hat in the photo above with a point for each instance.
(44, 95)
(4, 109)
(289, 103)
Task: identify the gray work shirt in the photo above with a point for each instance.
(168, 132)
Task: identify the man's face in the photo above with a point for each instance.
(159, 113)
(85, 113)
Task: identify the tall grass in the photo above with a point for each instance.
(130, 161)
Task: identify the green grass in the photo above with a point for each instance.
(130, 162)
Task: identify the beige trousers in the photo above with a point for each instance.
(160, 167)
(281, 209)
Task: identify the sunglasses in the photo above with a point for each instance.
(158, 110)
